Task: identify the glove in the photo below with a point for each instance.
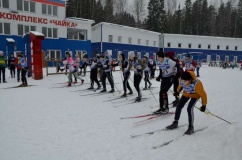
(157, 79)
(203, 108)
(176, 94)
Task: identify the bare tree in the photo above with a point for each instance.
(171, 6)
(120, 6)
(139, 11)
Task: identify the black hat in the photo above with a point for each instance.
(187, 55)
(85, 56)
(160, 54)
(186, 76)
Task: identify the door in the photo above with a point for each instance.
(235, 59)
(139, 55)
(226, 58)
(118, 53)
(154, 56)
(217, 58)
(208, 58)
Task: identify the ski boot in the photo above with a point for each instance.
(102, 91)
(124, 95)
(112, 90)
(173, 125)
(138, 99)
(190, 130)
(82, 81)
(150, 85)
(90, 88)
(130, 92)
(69, 85)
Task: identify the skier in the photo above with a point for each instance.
(167, 70)
(11, 65)
(77, 63)
(93, 74)
(22, 64)
(124, 68)
(106, 73)
(72, 69)
(152, 66)
(17, 66)
(179, 71)
(3, 65)
(192, 89)
(138, 66)
(189, 63)
(199, 64)
(146, 71)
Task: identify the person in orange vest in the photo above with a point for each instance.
(193, 90)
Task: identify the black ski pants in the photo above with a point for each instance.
(126, 85)
(23, 75)
(166, 84)
(2, 73)
(107, 75)
(137, 79)
(146, 78)
(93, 77)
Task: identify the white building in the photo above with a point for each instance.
(18, 17)
(116, 38)
(213, 48)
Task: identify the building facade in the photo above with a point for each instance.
(213, 48)
(19, 17)
(117, 39)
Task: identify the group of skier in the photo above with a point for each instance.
(12, 63)
(171, 73)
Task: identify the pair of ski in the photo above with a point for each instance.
(20, 86)
(149, 117)
(177, 138)
(133, 101)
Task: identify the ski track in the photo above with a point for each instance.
(41, 122)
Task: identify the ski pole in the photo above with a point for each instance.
(208, 112)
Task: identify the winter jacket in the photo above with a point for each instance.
(194, 89)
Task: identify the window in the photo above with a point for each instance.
(218, 46)
(236, 48)
(44, 8)
(227, 47)
(168, 44)
(139, 41)
(55, 10)
(179, 45)
(4, 3)
(50, 32)
(49, 10)
(189, 45)
(154, 43)
(199, 46)
(54, 54)
(209, 46)
(147, 42)
(4, 28)
(76, 34)
(130, 40)
(24, 5)
(25, 29)
(110, 38)
(119, 38)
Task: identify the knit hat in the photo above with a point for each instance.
(186, 76)
(160, 54)
(131, 54)
(146, 55)
(170, 54)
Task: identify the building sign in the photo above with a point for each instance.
(23, 18)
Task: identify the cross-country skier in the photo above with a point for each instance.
(72, 69)
(168, 69)
(106, 73)
(189, 64)
(124, 68)
(192, 89)
(146, 71)
(138, 66)
(93, 73)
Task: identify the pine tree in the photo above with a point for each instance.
(156, 16)
(108, 9)
(99, 14)
(187, 24)
(239, 20)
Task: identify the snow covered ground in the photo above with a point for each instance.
(44, 122)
